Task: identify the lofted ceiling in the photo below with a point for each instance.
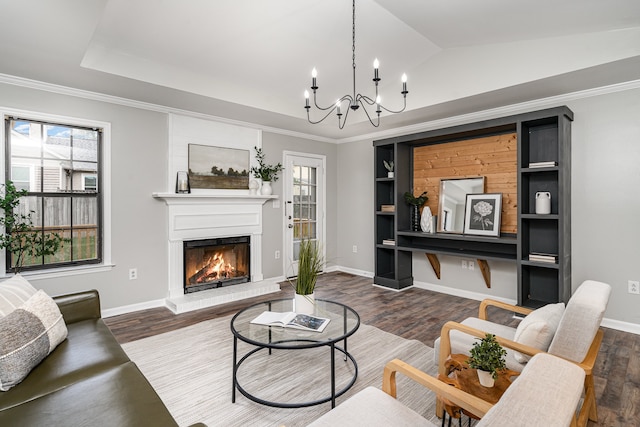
(251, 60)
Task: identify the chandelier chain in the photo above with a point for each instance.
(353, 37)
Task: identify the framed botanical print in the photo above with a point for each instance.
(482, 214)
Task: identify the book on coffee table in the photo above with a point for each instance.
(292, 320)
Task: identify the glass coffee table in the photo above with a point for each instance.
(344, 323)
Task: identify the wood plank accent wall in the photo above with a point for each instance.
(494, 157)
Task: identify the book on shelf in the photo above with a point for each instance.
(389, 242)
(543, 164)
(290, 319)
(542, 257)
(387, 208)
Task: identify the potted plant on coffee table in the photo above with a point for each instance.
(310, 265)
(487, 356)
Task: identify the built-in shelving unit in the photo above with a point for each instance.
(543, 136)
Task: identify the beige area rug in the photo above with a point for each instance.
(191, 370)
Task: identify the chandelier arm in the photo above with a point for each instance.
(367, 113)
(344, 122)
(322, 119)
(315, 102)
(395, 111)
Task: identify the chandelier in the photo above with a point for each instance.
(355, 101)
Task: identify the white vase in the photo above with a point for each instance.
(485, 378)
(390, 175)
(425, 220)
(266, 189)
(304, 304)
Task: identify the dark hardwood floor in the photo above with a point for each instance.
(419, 314)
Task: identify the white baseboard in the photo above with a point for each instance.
(478, 296)
(349, 270)
(110, 312)
(619, 325)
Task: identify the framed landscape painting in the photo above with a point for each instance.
(482, 214)
(218, 167)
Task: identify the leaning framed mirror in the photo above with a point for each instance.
(453, 196)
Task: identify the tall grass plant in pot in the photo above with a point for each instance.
(310, 265)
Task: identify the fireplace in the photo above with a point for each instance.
(214, 263)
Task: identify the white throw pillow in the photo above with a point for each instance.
(14, 292)
(27, 335)
(538, 328)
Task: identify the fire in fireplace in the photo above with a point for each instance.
(212, 263)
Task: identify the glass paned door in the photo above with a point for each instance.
(304, 210)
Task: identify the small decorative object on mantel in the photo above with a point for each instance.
(253, 187)
(389, 167)
(482, 214)
(310, 264)
(487, 356)
(425, 220)
(415, 203)
(182, 182)
(267, 173)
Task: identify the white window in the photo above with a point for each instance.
(61, 178)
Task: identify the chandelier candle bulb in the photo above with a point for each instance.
(338, 107)
(306, 98)
(404, 83)
(314, 74)
(376, 65)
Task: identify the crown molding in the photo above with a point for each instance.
(506, 110)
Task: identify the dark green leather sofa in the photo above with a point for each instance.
(88, 380)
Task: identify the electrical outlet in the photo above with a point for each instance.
(464, 264)
(277, 254)
(133, 273)
(355, 249)
(472, 265)
(634, 287)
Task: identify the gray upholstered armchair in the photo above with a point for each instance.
(572, 333)
(547, 382)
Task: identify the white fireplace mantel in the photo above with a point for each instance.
(198, 198)
(195, 216)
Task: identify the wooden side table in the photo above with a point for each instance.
(461, 376)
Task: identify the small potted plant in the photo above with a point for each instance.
(415, 203)
(389, 167)
(267, 173)
(310, 265)
(487, 356)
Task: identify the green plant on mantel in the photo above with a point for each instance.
(264, 171)
(388, 165)
(487, 355)
(20, 237)
(416, 201)
(310, 263)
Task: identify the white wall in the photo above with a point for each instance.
(605, 208)
(139, 158)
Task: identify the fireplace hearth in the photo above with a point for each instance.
(214, 263)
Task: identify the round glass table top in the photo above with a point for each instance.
(344, 321)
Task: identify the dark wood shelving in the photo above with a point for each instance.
(542, 136)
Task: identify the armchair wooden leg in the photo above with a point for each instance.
(589, 410)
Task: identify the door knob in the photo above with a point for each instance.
(290, 226)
